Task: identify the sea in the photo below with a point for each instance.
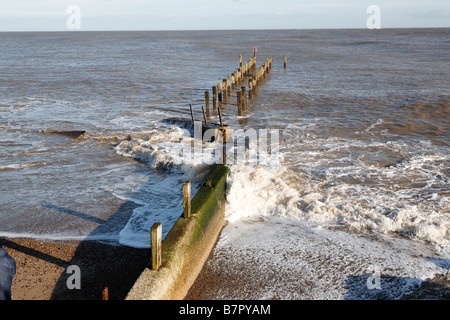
(354, 204)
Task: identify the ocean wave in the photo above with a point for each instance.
(168, 147)
(16, 166)
(409, 199)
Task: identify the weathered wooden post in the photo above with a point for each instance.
(192, 114)
(225, 87)
(244, 98)
(220, 118)
(228, 85)
(250, 88)
(156, 244)
(239, 102)
(285, 61)
(105, 294)
(208, 112)
(240, 61)
(187, 199)
(214, 90)
(224, 145)
(219, 91)
(224, 140)
(204, 116)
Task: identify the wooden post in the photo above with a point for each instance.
(156, 244)
(105, 294)
(239, 102)
(285, 61)
(224, 85)
(214, 90)
(204, 116)
(192, 114)
(224, 146)
(187, 199)
(240, 61)
(219, 91)
(250, 90)
(208, 112)
(224, 137)
(228, 85)
(232, 80)
(220, 118)
(244, 98)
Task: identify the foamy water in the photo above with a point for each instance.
(360, 182)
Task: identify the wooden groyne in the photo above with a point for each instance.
(177, 261)
(246, 74)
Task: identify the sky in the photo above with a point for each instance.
(91, 15)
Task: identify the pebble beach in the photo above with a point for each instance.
(41, 269)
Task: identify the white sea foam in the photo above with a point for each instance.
(322, 230)
(329, 181)
(162, 201)
(284, 258)
(165, 147)
(15, 166)
(329, 185)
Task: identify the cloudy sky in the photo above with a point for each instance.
(52, 15)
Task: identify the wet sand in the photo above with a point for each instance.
(42, 273)
(42, 269)
(216, 283)
(307, 270)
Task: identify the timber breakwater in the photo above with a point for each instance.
(177, 261)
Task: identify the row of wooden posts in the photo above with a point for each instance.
(156, 229)
(236, 81)
(253, 81)
(219, 94)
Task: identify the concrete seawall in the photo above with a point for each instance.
(188, 244)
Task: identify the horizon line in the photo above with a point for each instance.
(209, 30)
